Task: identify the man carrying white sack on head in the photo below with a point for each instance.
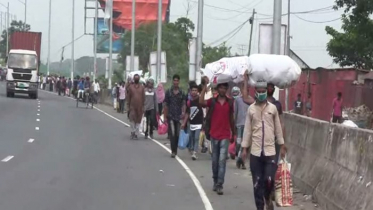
(262, 129)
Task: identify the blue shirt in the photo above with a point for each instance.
(81, 85)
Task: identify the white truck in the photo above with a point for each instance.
(23, 63)
(22, 74)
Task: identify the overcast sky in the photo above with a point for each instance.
(309, 39)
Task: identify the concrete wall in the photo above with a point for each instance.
(332, 162)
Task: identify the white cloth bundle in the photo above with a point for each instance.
(280, 70)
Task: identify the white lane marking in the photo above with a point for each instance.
(38, 114)
(38, 110)
(201, 191)
(31, 140)
(196, 182)
(37, 128)
(7, 159)
(37, 120)
(38, 106)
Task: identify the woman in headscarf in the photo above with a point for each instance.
(160, 97)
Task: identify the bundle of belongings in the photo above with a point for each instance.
(280, 70)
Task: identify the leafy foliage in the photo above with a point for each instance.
(14, 26)
(353, 46)
(175, 42)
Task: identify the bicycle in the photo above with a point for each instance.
(87, 98)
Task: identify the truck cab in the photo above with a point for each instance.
(22, 73)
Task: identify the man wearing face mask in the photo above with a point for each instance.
(136, 100)
(262, 130)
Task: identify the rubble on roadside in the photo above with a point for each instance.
(362, 116)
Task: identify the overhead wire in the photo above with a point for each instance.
(231, 34)
(311, 21)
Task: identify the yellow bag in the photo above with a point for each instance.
(201, 138)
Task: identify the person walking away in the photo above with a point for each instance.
(240, 110)
(59, 86)
(262, 129)
(220, 126)
(96, 90)
(194, 114)
(337, 108)
(122, 97)
(69, 86)
(160, 98)
(298, 105)
(175, 107)
(136, 100)
(114, 95)
(150, 107)
(64, 86)
(44, 82)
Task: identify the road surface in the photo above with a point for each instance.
(56, 156)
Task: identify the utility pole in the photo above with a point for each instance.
(159, 43)
(242, 48)
(73, 41)
(95, 42)
(276, 31)
(111, 46)
(25, 12)
(49, 36)
(7, 31)
(132, 65)
(251, 31)
(288, 53)
(199, 37)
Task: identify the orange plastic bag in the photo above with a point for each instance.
(284, 185)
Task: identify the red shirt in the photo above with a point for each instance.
(220, 122)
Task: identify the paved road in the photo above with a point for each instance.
(56, 156)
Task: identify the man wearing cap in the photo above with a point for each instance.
(262, 129)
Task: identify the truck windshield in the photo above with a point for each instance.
(22, 61)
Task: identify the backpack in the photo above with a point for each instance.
(207, 125)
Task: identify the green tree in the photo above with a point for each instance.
(353, 46)
(211, 54)
(175, 41)
(14, 26)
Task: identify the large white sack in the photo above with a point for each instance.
(280, 70)
(227, 70)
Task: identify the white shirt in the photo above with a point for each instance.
(96, 87)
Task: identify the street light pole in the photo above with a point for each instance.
(7, 31)
(159, 42)
(72, 43)
(25, 12)
(111, 46)
(251, 31)
(288, 53)
(95, 43)
(199, 38)
(132, 66)
(276, 31)
(49, 36)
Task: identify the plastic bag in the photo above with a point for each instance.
(183, 139)
(280, 70)
(232, 149)
(162, 126)
(284, 185)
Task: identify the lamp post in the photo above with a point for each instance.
(7, 27)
